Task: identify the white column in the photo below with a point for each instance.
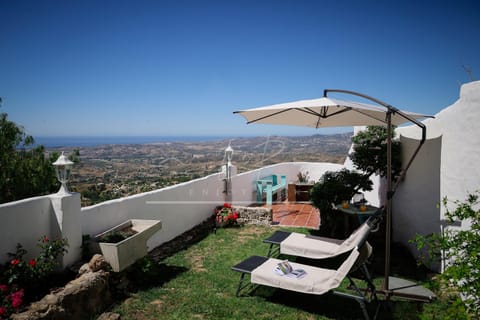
(68, 224)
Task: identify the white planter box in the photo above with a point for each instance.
(122, 254)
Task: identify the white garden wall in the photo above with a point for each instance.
(24, 222)
(179, 207)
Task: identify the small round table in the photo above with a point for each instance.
(354, 210)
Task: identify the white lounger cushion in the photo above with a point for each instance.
(316, 281)
(298, 244)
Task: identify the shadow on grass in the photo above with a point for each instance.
(333, 306)
(143, 275)
(156, 276)
(183, 241)
(327, 305)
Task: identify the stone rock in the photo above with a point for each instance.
(98, 263)
(254, 215)
(78, 300)
(109, 316)
(84, 269)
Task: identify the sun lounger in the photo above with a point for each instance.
(316, 280)
(302, 245)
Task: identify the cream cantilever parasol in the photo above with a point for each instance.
(327, 112)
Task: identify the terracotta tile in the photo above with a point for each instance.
(296, 214)
(302, 220)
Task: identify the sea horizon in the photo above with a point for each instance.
(92, 141)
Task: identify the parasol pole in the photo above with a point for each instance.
(388, 213)
(390, 188)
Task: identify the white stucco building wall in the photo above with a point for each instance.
(447, 165)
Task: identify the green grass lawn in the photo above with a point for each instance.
(198, 283)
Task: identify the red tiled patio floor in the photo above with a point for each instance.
(296, 214)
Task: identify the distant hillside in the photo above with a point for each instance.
(116, 170)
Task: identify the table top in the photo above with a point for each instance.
(351, 209)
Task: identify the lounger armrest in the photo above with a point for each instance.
(249, 264)
(277, 237)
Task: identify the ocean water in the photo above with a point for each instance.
(52, 142)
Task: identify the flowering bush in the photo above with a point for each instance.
(19, 277)
(225, 215)
(10, 300)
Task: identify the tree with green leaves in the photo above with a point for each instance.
(370, 152)
(25, 170)
(332, 188)
(369, 156)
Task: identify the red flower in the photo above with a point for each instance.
(3, 288)
(45, 239)
(17, 298)
(14, 262)
(227, 205)
(32, 263)
(235, 215)
(3, 310)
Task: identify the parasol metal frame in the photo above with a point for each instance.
(390, 189)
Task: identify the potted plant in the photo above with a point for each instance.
(126, 243)
(302, 177)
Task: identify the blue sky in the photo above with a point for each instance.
(90, 68)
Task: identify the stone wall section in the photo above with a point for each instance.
(255, 215)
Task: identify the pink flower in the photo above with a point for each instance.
(3, 310)
(3, 288)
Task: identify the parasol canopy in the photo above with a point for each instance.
(325, 112)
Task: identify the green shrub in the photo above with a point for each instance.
(332, 188)
(370, 152)
(460, 250)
